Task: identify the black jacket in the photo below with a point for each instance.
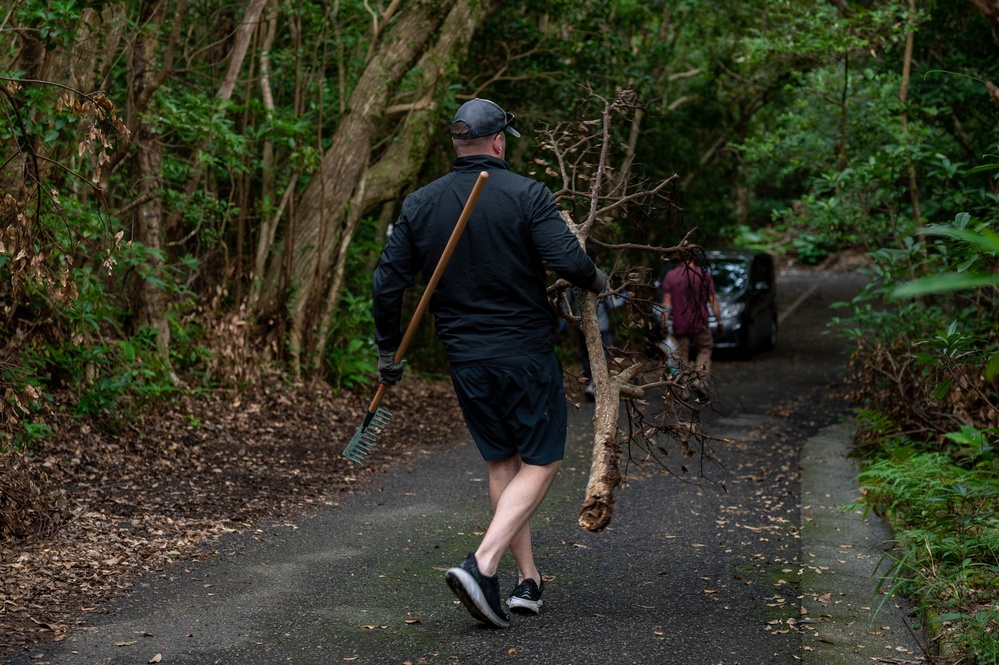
(491, 300)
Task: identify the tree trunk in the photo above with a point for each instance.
(597, 171)
(903, 98)
(244, 35)
(323, 227)
(97, 41)
(92, 59)
(597, 508)
(382, 181)
(151, 306)
(267, 96)
(990, 9)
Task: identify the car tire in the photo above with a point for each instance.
(771, 341)
(747, 341)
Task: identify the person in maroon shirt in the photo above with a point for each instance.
(688, 290)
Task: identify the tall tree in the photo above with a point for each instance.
(348, 183)
(990, 9)
(400, 163)
(146, 73)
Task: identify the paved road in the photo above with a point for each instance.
(686, 574)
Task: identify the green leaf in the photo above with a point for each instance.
(992, 367)
(985, 241)
(942, 389)
(983, 168)
(944, 283)
(951, 616)
(961, 438)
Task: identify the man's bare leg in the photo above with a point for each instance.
(516, 490)
(500, 475)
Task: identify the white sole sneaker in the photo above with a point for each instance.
(526, 598)
(470, 594)
(524, 606)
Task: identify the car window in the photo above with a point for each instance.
(762, 275)
(731, 275)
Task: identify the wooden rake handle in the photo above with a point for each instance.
(452, 242)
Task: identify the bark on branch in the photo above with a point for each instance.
(595, 174)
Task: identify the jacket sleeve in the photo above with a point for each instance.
(558, 246)
(394, 273)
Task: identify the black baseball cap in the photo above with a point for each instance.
(482, 118)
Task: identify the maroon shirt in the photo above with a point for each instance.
(690, 288)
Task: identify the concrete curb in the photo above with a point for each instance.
(845, 620)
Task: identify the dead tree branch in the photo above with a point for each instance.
(589, 161)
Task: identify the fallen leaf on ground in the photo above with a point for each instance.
(242, 466)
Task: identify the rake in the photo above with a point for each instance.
(377, 418)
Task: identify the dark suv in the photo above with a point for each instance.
(747, 293)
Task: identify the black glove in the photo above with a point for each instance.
(599, 282)
(389, 371)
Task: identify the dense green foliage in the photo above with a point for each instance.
(145, 191)
(926, 367)
(925, 330)
(780, 118)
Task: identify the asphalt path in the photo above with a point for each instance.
(693, 572)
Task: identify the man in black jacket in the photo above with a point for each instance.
(492, 313)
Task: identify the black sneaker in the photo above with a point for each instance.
(478, 593)
(526, 597)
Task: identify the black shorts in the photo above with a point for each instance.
(514, 405)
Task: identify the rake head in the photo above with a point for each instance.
(367, 435)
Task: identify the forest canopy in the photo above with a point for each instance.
(194, 194)
(193, 191)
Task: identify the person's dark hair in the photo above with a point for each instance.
(460, 130)
(474, 146)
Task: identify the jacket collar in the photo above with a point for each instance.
(479, 162)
